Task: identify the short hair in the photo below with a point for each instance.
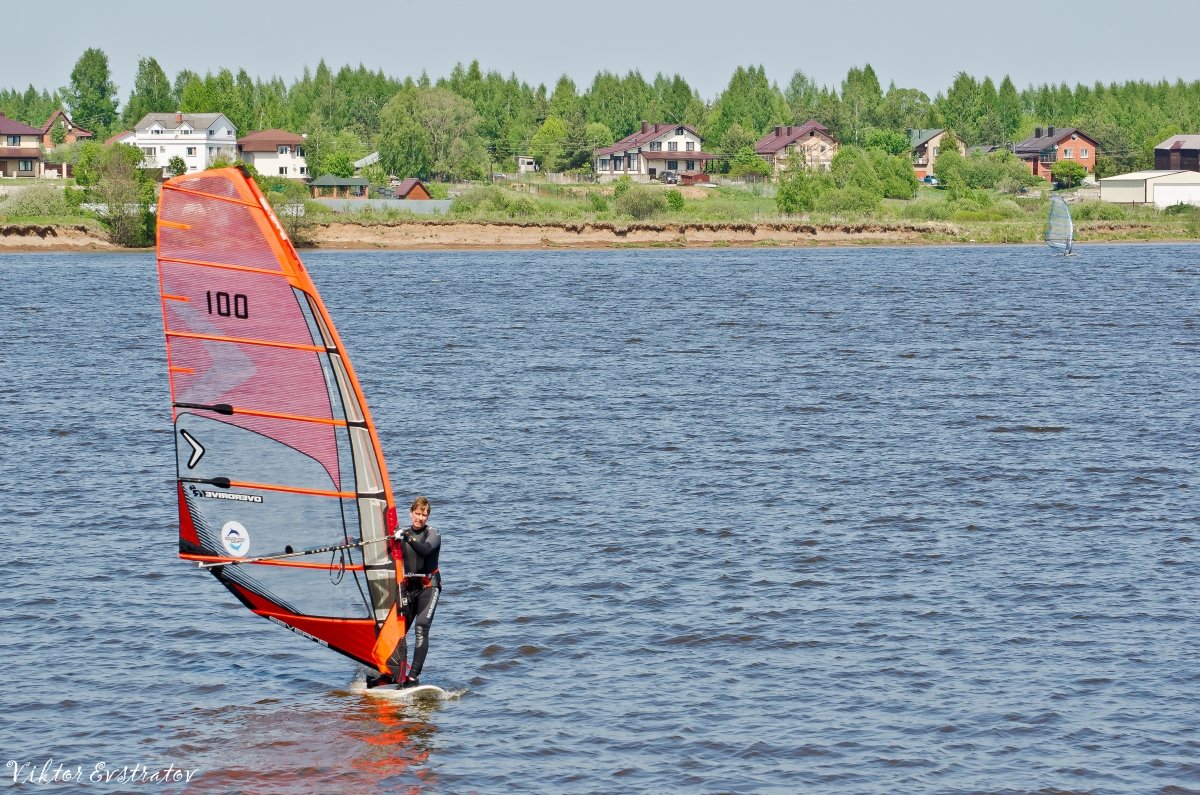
(419, 502)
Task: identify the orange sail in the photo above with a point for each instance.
(283, 492)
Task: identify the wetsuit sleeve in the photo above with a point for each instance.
(431, 544)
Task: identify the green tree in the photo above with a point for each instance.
(890, 141)
(800, 189)
(549, 144)
(176, 166)
(861, 101)
(92, 95)
(1068, 173)
(151, 93)
(746, 163)
(114, 179)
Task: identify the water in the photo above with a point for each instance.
(845, 521)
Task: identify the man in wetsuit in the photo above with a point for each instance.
(420, 544)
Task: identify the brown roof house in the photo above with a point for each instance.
(20, 149)
(71, 132)
(274, 153)
(810, 145)
(926, 145)
(1047, 146)
(651, 150)
(411, 188)
(1178, 153)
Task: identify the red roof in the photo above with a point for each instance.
(405, 187)
(71, 126)
(10, 127)
(782, 137)
(648, 133)
(268, 140)
(23, 152)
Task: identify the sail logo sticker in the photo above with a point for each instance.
(235, 539)
(225, 495)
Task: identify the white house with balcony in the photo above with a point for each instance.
(651, 150)
(275, 153)
(198, 138)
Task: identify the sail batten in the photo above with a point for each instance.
(275, 447)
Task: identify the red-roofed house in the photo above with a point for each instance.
(1046, 147)
(71, 133)
(653, 149)
(275, 153)
(810, 146)
(411, 188)
(20, 149)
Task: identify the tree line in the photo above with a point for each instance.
(472, 122)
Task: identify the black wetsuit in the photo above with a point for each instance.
(422, 586)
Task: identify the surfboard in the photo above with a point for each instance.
(420, 692)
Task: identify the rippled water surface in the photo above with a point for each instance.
(846, 521)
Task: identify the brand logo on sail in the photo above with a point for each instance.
(225, 495)
(235, 539)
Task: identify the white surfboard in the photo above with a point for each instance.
(418, 693)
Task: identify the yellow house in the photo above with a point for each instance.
(20, 149)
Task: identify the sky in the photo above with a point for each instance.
(704, 41)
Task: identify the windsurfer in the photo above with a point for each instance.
(420, 544)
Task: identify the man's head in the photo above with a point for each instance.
(418, 512)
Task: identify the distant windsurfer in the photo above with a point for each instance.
(419, 544)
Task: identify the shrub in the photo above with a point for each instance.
(849, 200)
(641, 203)
(621, 184)
(597, 202)
(1098, 211)
(38, 201)
(674, 200)
(799, 190)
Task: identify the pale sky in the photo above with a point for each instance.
(915, 45)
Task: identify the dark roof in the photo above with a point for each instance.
(11, 127)
(782, 137)
(71, 126)
(645, 135)
(1036, 143)
(268, 140)
(330, 181)
(405, 187)
(25, 153)
(917, 137)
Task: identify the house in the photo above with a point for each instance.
(1046, 147)
(1162, 188)
(20, 149)
(526, 164)
(651, 150)
(197, 138)
(1179, 152)
(274, 153)
(411, 188)
(810, 145)
(71, 133)
(925, 145)
(328, 186)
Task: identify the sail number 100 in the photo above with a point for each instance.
(226, 305)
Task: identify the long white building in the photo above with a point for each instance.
(198, 138)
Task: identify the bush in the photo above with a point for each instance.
(621, 184)
(41, 201)
(799, 190)
(1098, 211)
(849, 200)
(641, 203)
(597, 202)
(674, 200)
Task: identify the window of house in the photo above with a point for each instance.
(603, 163)
(656, 146)
(191, 151)
(691, 165)
(156, 131)
(673, 146)
(633, 163)
(691, 146)
(300, 153)
(679, 131)
(1083, 152)
(211, 133)
(1047, 156)
(162, 148)
(936, 149)
(283, 149)
(283, 171)
(25, 165)
(672, 165)
(14, 140)
(303, 170)
(148, 151)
